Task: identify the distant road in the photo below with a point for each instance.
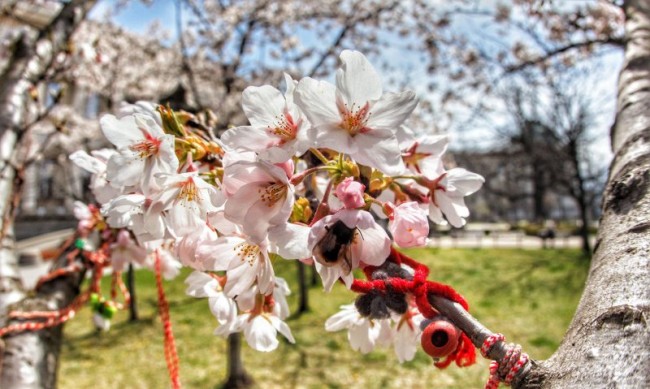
(34, 267)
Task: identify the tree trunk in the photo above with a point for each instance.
(303, 289)
(238, 378)
(608, 341)
(130, 284)
(30, 359)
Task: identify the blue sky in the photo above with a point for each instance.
(138, 17)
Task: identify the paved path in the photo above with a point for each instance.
(31, 248)
(506, 240)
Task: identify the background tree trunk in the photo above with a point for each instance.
(238, 378)
(130, 284)
(608, 342)
(303, 292)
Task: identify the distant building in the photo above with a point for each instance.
(509, 191)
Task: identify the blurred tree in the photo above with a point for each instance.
(551, 129)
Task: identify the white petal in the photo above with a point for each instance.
(200, 284)
(317, 100)
(120, 132)
(87, 162)
(247, 138)
(282, 328)
(453, 208)
(262, 104)
(223, 308)
(343, 319)
(392, 110)
(381, 153)
(373, 247)
(290, 241)
(357, 80)
(261, 335)
(464, 181)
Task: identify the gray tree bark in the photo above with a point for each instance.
(29, 360)
(608, 342)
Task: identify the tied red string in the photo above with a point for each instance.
(171, 356)
(39, 320)
(505, 370)
(421, 289)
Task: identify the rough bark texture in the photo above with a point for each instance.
(29, 360)
(31, 57)
(608, 342)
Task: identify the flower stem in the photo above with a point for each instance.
(319, 155)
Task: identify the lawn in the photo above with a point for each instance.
(528, 295)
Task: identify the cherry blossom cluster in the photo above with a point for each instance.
(307, 179)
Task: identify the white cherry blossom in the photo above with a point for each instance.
(424, 155)
(143, 150)
(447, 195)
(95, 163)
(278, 130)
(363, 333)
(260, 331)
(186, 199)
(223, 308)
(355, 116)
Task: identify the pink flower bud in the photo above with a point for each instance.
(350, 193)
(409, 225)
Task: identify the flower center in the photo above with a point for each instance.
(285, 128)
(433, 185)
(247, 252)
(354, 118)
(412, 158)
(147, 147)
(189, 191)
(273, 193)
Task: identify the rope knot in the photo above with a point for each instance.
(507, 368)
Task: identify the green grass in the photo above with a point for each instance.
(528, 295)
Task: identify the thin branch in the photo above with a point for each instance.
(619, 42)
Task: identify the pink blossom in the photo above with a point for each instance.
(126, 250)
(259, 196)
(409, 225)
(350, 192)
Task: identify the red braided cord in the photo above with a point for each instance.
(118, 283)
(62, 272)
(420, 288)
(170, 347)
(46, 319)
(52, 319)
(506, 369)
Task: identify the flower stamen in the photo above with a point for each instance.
(285, 128)
(147, 147)
(273, 193)
(188, 192)
(354, 119)
(247, 252)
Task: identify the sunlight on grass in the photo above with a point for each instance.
(528, 295)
